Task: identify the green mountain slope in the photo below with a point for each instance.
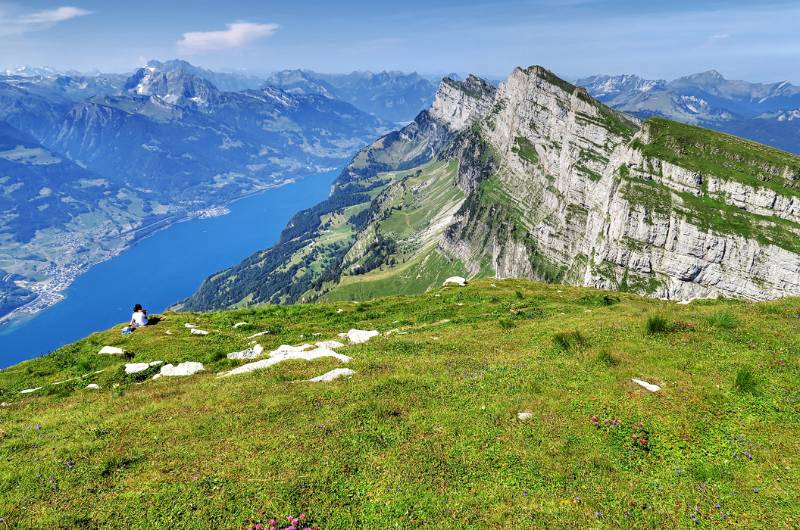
(425, 433)
(535, 179)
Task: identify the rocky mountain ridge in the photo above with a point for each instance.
(757, 111)
(537, 179)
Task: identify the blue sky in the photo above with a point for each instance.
(755, 40)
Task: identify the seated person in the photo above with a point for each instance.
(139, 317)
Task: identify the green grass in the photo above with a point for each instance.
(745, 380)
(569, 340)
(723, 155)
(658, 324)
(525, 150)
(424, 271)
(425, 434)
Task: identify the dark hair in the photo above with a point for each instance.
(137, 307)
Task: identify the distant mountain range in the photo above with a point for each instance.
(91, 162)
(392, 96)
(764, 112)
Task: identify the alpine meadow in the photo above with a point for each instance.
(553, 280)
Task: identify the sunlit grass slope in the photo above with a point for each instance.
(426, 433)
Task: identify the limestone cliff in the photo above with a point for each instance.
(536, 179)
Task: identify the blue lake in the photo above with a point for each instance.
(161, 269)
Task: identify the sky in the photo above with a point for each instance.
(756, 40)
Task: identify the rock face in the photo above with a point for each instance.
(455, 280)
(111, 350)
(336, 373)
(360, 336)
(182, 369)
(249, 353)
(536, 179)
(285, 352)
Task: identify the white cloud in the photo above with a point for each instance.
(15, 23)
(237, 35)
(717, 38)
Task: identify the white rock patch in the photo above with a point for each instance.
(135, 368)
(190, 326)
(524, 416)
(92, 386)
(111, 350)
(455, 280)
(333, 374)
(647, 386)
(183, 369)
(258, 334)
(250, 353)
(285, 353)
(196, 331)
(240, 324)
(330, 344)
(29, 390)
(358, 336)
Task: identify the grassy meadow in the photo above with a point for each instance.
(426, 434)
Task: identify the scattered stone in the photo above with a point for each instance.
(168, 332)
(285, 353)
(240, 324)
(190, 326)
(685, 302)
(183, 369)
(135, 368)
(196, 331)
(29, 390)
(647, 386)
(333, 374)
(330, 344)
(111, 350)
(286, 348)
(93, 386)
(258, 334)
(359, 336)
(66, 381)
(524, 416)
(455, 280)
(340, 310)
(250, 353)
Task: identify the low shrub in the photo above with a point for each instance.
(506, 323)
(722, 320)
(569, 340)
(658, 324)
(745, 380)
(605, 357)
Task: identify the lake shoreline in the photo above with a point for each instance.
(162, 266)
(47, 297)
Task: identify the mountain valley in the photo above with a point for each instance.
(536, 179)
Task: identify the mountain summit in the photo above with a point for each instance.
(175, 82)
(536, 179)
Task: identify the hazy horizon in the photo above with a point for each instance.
(574, 38)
